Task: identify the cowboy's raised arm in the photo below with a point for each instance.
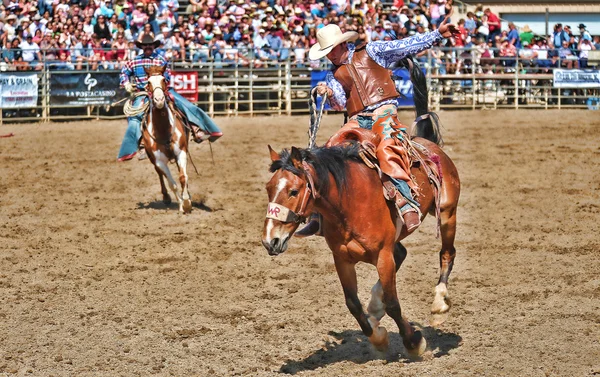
(386, 53)
(338, 99)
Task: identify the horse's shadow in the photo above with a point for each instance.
(353, 346)
(159, 204)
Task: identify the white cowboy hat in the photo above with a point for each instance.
(327, 38)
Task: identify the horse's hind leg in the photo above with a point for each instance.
(412, 339)
(186, 205)
(441, 303)
(376, 307)
(369, 325)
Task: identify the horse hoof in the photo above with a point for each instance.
(419, 350)
(440, 307)
(187, 206)
(167, 200)
(438, 319)
(380, 338)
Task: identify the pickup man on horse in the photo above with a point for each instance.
(361, 83)
(134, 79)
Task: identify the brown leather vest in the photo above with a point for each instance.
(365, 82)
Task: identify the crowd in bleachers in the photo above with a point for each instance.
(101, 34)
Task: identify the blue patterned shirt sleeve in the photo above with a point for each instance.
(386, 53)
(338, 100)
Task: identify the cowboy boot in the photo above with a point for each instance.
(199, 135)
(411, 217)
(313, 228)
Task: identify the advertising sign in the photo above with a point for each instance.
(18, 90)
(186, 84)
(85, 89)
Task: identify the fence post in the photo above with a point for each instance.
(288, 86)
(251, 84)
(211, 93)
(517, 82)
(474, 83)
(45, 93)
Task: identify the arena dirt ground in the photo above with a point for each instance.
(98, 278)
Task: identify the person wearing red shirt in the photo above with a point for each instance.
(494, 24)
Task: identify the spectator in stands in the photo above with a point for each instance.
(559, 36)
(31, 53)
(83, 52)
(513, 36)
(596, 42)
(12, 56)
(493, 22)
(508, 53)
(528, 57)
(566, 55)
(584, 47)
(526, 35)
(471, 23)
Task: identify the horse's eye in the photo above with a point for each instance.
(293, 193)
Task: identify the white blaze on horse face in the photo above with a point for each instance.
(281, 184)
(158, 94)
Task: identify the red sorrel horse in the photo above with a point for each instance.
(359, 224)
(165, 139)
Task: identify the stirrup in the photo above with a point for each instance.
(313, 228)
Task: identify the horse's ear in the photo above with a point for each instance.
(296, 158)
(274, 155)
(146, 70)
(163, 68)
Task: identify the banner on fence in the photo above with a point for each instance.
(18, 90)
(576, 78)
(401, 78)
(85, 89)
(186, 84)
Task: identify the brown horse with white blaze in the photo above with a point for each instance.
(358, 223)
(166, 139)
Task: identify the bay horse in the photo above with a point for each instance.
(359, 224)
(166, 139)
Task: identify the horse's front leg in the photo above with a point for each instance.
(186, 205)
(386, 267)
(162, 164)
(163, 188)
(376, 306)
(369, 325)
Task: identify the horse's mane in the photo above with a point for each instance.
(325, 161)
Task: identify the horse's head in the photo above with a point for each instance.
(157, 86)
(290, 190)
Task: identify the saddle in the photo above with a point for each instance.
(368, 142)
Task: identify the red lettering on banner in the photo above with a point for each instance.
(186, 84)
(274, 211)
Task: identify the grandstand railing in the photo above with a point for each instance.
(457, 80)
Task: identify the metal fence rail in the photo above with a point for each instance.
(282, 88)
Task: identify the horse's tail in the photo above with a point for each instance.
(427, 123)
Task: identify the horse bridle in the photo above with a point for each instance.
(282, 213)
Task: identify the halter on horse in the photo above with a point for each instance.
(359, 225)
(165, 139)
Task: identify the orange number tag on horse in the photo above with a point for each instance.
(278, 212)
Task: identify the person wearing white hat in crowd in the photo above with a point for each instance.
(361, 83)
(9, 26)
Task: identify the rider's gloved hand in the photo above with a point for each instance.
(129, 87)
(322, 89)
